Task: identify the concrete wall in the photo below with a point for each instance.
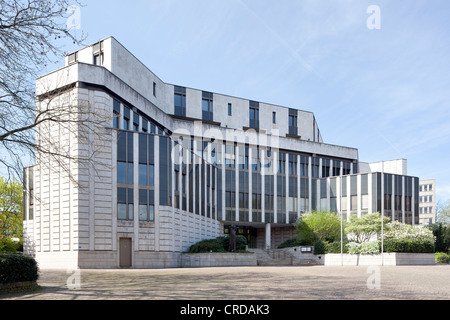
(217, 260)
(387, 259)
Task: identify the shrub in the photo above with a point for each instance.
(371, 247)
(335, 247)
(294, 243)
(400, 231)
(408, 245)
(8, 246)
(220, 244)
(211, 245)
(363, 228)
(17, 268)
(241, 242)
(319, 247)
(442, 257)
(319, 225)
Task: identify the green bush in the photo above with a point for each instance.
(17, 268)
(8, 246)
(368, 247)
(408, 245)
(319, 225)
(211, 245)
(335, 247)
(241, 242)
(442, 257)
(220, 244)
(294, 243)
(319, 247)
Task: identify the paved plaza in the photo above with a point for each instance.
(246, 283)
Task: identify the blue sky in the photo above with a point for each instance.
(385, 92)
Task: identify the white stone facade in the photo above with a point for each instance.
(72, 216)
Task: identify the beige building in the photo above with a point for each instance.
(427, 201)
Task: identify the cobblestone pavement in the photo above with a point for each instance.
(246, 283)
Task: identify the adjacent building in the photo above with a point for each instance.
(427, 201)
(151, 168)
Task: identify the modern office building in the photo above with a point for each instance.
(398, 166)
(153, 168)
(427, 201)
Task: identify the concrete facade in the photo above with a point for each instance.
(85, 202)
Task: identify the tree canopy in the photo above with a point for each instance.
(319, 225)
(363, 228)
(11, 208)
(30, 34)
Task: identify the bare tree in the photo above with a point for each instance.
(30, 31)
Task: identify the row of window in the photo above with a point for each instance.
(208, 110)
(426, 210)
(424, 199)
(133, 121)
(125, 176)
(426, 187)
(125, 204)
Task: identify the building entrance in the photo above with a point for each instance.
(250, 233)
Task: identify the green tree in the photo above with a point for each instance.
(443, 212)
(442, 235)
(11, 207)
(365, 227)
(319, 225)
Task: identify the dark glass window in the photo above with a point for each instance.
(336, 168)
(125, 157)
(230, 109)
(125, 204)
(126, 118)
(293, 164)
(325, 168)
(180, 101)
(254, 114)
(116, 111)
(146, 205)
(135, 121)
(346, 168)
(315, 167)
(293, 130)
(165, 181)
(207, 106)
(146, 160)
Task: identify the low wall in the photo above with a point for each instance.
(198, 260)
(387, 259)
(296, 252)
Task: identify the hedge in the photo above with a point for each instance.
(294, 243)
(408, 245)
(442, 257)
(16, 268)
(335, 247)
(220, 244)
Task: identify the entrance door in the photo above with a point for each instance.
(125, 252)
(250, 233)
